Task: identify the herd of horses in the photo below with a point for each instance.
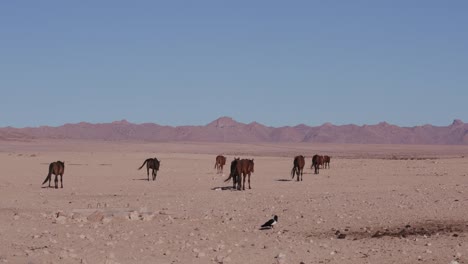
(318, 161)
(240, 170)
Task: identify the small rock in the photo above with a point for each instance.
(134, 215)
(200, 255)
(341, 236)
(281, 258)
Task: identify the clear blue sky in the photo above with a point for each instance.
(275, 62)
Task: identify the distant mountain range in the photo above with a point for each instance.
(225, 129)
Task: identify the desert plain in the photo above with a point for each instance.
(376, 204)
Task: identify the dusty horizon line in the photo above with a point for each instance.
(228, 118)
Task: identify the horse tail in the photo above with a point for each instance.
(48, 175)
(46, 179)
(230, 176)
(143, 164)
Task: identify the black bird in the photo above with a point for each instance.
(270, 223)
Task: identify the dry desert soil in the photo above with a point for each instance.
(376, 204)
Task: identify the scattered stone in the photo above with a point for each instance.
(281, 258)
(341, 236)
(134, 215)
(200, 255)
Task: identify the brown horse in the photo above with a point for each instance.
(317, 161)
(56, 168)
(326, 161)
(219, 164)
(298, 168)
(240, 169)
(151, 164)
(247, 168)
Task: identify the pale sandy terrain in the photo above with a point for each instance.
(413, 199)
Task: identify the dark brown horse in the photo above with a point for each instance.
(317, 161)
(151, 164)
(57, 168)
(219, 164)
(298, 168)
(240, 169)
(234, 175)
(326, 161)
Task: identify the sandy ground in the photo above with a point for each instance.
(394, 204)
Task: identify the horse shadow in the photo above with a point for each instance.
(284, 180)
(142, 179)
(222, 188)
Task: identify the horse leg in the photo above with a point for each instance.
(249, 182)
(154, 174)
(147, 172)
(61, 180)
(243, 184)
(56, 181)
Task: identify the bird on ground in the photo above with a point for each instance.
(270, 223)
